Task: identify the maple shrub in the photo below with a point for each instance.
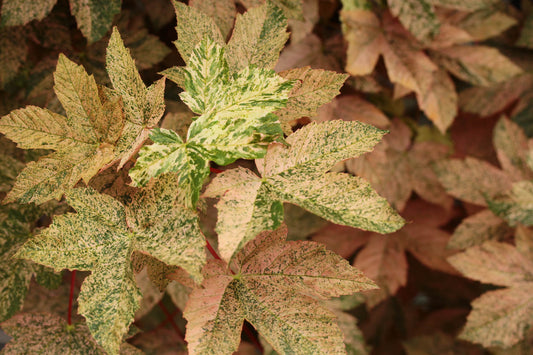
(251, 186)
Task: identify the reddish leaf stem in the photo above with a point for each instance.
(71, 296)
(215, 170)
(211, 250)
(170, 318)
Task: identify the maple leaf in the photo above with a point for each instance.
(418, 16)
(498, 318)
(398, 167)
(516, 205)
(479, 228)
(275, 287)
(235, 121)
(250, 204)
(83, 141)
(47, 333)
(143, 107)
(109, 297)
(406, 64)
(315, 87)
(16, 12)
(222, 12)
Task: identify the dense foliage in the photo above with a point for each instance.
(287, 176)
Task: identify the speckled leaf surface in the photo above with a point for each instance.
(43, 333)
(511, 145)
(258, 37)
(314, 88)
(418, 16)
(499, 318)
(193, 25)
(298, 175)
(471, 179)
(479, 228)
(143, 107)
(479, 65)
(101, 238)
(20, 12)
(170, 154)
(291, 8)
(223, 12)
(83, 140)
(516, 205)
(275, 287)
(236, 119)
(94, 17)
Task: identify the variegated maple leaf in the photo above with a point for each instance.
(45, 333)
(236, 119)
(274, 286)
(499, 318)
(97, 131)
(250, 204)
(101, 238)
(507, 192)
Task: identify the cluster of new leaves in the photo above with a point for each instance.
(239, 100)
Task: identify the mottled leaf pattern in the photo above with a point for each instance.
(257, 39)
(499, 318)
(479, 228)
(20, 12)
(193, 26)
(418, 16)
(83, 141)
(94, 17)
(298, 175)
(143, 107)
(275, 287)
(516, 205)
(223, 12)
(236, 119)
(314, 88)
(101, 238)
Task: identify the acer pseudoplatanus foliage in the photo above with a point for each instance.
(243, 188)
(241, 106)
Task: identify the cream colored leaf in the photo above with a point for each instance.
(494, 262)
(316, 87)
(257, 39)
(193, 26)
(291, 8)
(470, 179)
(20, 12)
(143, 107)
(479, 228)
(511, 145)
(101, 238)
(516, 205)
(298, 175)
(46, 333)
(418, 16)
(478, 65)
(362, 31)
(274, 289)
(94, 17)
(222, 11)
(500, 318)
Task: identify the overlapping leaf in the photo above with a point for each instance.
(101, 238)
(235, 121)
(499, 318)
(143, 107)
(397, 167)
(20, 12)
(83, 141)
(275, 287)
(251, 204)
(45, 333)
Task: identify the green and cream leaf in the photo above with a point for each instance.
(101, 238)
(299, 175)
(275, 286)
(94, 17)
